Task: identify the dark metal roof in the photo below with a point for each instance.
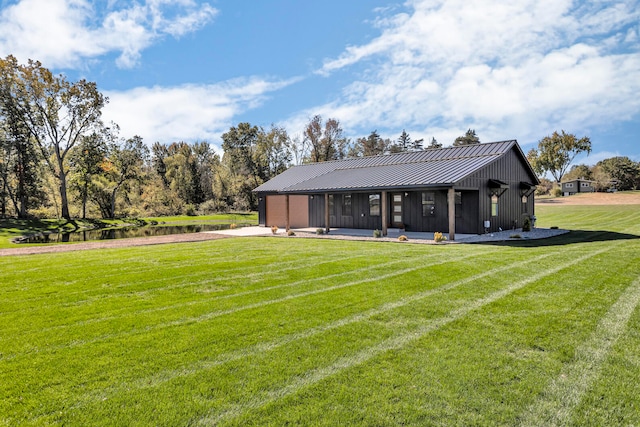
(444, 166)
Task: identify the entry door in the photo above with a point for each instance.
(396, 210)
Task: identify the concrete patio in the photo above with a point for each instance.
(393, 234)
(334, 232)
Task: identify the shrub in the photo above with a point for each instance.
(290, 233)
(526, 224)
(402, 238)
(132, 213)
(439, 237)
(43, 212)
(274, 229)
(319, 231)
(377, 233)
(233, 226)
(557, 192)
(190, 210)
(210, 207)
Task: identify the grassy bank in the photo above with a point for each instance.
(259, 331)
(12, 228)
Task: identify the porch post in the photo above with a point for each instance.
(451, 200)
(326, 213)
(383, 208)
(286, 215)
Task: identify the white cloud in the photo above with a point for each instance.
(186, 112)
(515, 69)
(64, 33)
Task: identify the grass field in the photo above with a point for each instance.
(276, 331)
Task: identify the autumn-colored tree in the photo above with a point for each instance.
(555, 153)
(373, 145)
(86, 160)
(579, 172)
(325, 140)
(273, 152)
(56, 112)
(123, 163)
(239, 144)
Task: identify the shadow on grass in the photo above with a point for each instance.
(574, 236)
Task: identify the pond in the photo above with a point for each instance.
(121, 233)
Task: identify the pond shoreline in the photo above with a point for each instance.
(115, 243)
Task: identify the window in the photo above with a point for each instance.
(346, 204)
(374, 205)
(584, 184)
(332, 206)
(428, 203)
(569, 185)
(494, 205)
(458, 197)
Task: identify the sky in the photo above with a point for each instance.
(187, 70)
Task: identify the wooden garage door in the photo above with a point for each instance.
(298, 211)
(276, 210)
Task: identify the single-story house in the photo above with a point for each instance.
(469, 189)
(577, 186)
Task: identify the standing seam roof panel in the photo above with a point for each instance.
(432, 166)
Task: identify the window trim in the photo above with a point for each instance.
(347, 208)
(374, 202)
(428, 205)
(494, 205)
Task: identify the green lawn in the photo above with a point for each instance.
(276, 331)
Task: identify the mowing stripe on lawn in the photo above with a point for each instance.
(167, 277)
(555, 405)
(394, 343)
(152, 258)
(262, 347)
(241, 293)
(101, 275)
(219, 313)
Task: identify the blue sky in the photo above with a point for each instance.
(188, 70)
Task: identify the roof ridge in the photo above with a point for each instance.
(406, 153)
(436, 159)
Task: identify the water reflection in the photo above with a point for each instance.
(122, 233)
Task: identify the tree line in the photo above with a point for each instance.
(59, 159)
(556, 153)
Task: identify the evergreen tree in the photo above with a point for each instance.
(468, 138)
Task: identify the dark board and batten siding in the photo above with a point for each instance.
(413, 219)
(468, 170)
(262, 209)
(510, 207)
(435, 221)
(359, 217)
